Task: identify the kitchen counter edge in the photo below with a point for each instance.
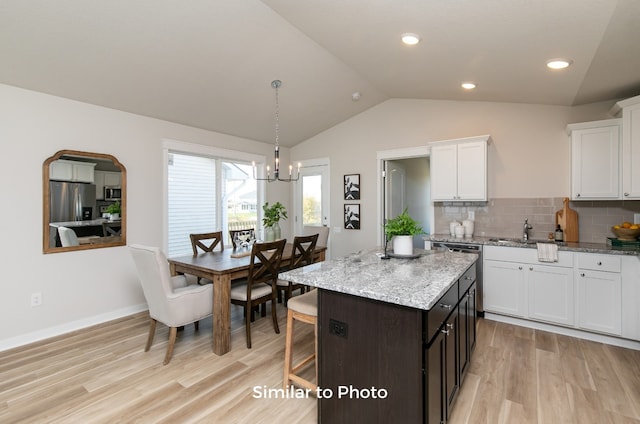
(572, 247)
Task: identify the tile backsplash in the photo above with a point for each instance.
(505, 217)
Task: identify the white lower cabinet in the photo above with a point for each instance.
(543, 293)
(551, 297)
(599, 293)
(587, 291)
(504, 288)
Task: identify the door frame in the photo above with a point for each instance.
(396, 154)
(326, 197)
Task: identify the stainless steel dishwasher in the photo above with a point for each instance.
(467, 248)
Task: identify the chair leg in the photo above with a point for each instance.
(274, 314)
(287, 295)
(172, 341)
(152, 332)
(315, 334)
(247, 324)
(288, 344)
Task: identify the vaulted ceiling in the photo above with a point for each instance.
(210, 63)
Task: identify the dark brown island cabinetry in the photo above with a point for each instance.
(381, 362)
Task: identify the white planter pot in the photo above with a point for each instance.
(403, 245)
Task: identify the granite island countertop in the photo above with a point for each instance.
(416, 283)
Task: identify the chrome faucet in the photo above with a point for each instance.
(525, 231)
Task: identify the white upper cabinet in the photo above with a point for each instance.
(67, 170)
(105, 179)
(595, 160)
(459, 169)
(630, 146)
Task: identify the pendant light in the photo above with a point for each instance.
(276, 156)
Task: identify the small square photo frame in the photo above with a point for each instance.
(352, 187)
(352, 216)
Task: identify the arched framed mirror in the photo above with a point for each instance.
(84, 199)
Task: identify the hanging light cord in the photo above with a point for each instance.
(276, 171)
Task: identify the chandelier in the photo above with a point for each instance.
(276, 156)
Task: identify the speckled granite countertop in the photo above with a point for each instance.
(417, 283)
(509, 242)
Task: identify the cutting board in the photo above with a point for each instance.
(568, 220)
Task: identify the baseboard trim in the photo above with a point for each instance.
(602, 338)
(58, 330)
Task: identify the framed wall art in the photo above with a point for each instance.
(352, 216)
(352, 187)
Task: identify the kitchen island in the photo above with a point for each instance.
(395, 336)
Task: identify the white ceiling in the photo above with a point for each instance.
(210, 63)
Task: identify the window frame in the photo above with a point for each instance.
(181, 147)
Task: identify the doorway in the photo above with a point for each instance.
(311, 197)
(405, 183)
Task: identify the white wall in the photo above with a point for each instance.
(528, 157)
(85, 287)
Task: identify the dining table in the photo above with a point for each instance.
(222, 267)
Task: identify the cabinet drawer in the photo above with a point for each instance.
(596, 262)
(467, 279)
(438, 314)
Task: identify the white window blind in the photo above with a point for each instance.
(191, 200)
(207, 194)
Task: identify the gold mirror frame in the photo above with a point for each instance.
(46, 203)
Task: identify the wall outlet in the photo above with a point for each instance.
(338, 328)
(471, 215)
(36, 299)
(337, 229)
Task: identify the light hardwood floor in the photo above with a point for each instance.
(102, 375)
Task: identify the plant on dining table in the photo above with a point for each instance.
(271, 218)
(273, 214)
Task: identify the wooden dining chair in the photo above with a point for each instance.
(302, 254)
(242, 236)
(207, 242)
(261, 284)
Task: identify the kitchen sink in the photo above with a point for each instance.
(515, 240)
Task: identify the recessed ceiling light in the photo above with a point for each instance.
(410, 39)
(468, 85)
(558, 63)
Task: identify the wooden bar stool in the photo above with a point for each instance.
(302, 308)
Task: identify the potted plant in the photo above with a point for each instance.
(401, 230)
(114, 211)
(271, 218)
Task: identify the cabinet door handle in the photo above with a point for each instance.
(520, 268)
(582, 274)
(626, 194)
(578, 195)
(599, 263)
(442, 305)
(530, 268)
(445, 331)
(449, 325)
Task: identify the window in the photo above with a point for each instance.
(208, 193)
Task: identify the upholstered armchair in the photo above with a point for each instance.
(171, 300)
